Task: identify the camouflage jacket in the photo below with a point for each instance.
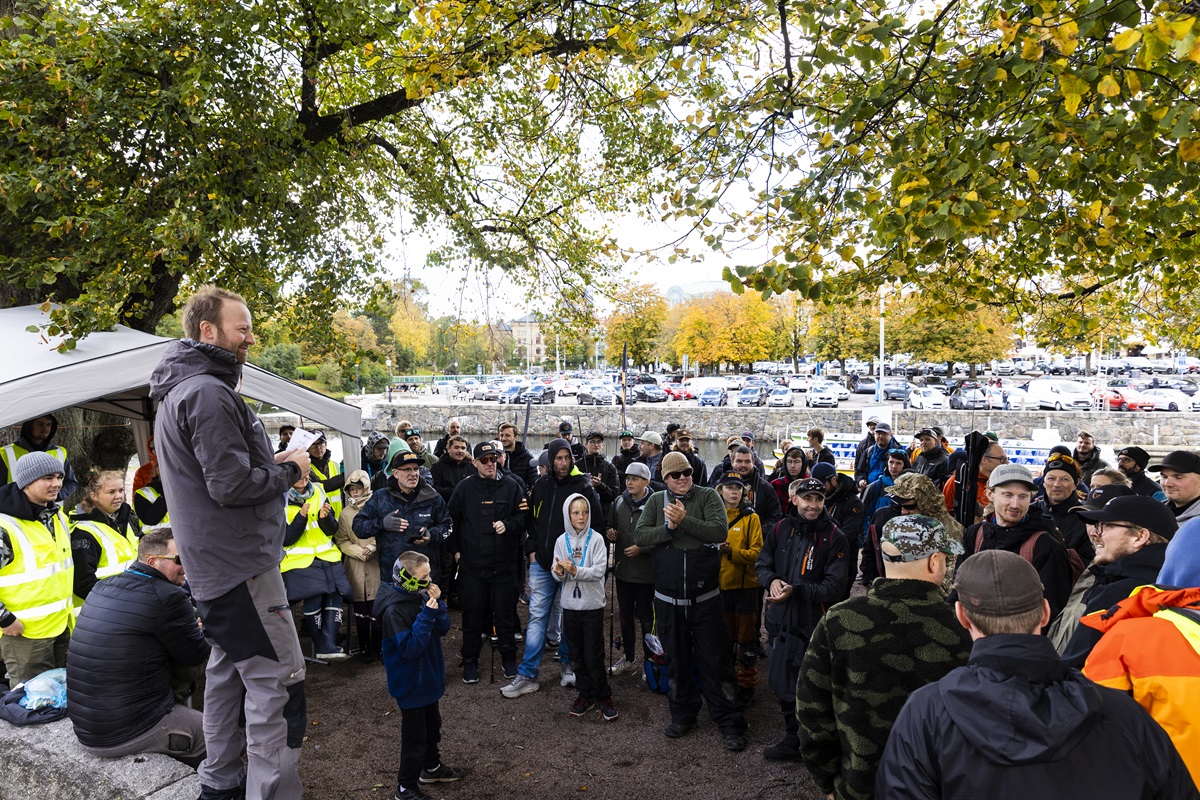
(865, 657)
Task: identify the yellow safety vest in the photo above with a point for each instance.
(37, 585)
(10, 454)
(335, 497)
(314, 543)
(150, 494)
(117, 551)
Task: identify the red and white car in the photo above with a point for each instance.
(1125, 399)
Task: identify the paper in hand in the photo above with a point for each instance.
(301, 439)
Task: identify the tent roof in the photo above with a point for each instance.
(110, 371)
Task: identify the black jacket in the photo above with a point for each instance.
(1114, 582)
(1017, 722)
(448, 473)
(1049, 554)
(475, 505)
(609, 488)
(1072, 529)
(935, 465)
(1143, 485)
(870, 560)
(544, 523)
(624, 458)
(846, 509)
(132, 630)
(522, 464)
(85, 550)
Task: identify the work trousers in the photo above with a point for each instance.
(488, 603)
(695, 638)
(584, 631)
(637, 605)
(420, 734)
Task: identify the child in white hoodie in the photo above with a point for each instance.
(580, 560)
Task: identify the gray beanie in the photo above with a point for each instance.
(32, 466)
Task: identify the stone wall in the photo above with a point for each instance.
(1164, 430)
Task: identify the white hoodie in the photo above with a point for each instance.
(584, 590)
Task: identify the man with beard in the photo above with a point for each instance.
(544, 524)
(1087, 457)
(874, 461)
(600, 472)
(451, 469)
(1131, 535)
(453, 428)
(846, 510)
(1133, 461)
(520, 461)
(1060, 477)
(759, 495)
(933, 461)
(1016, 527)
(804, 569)
(683, 444)
(488, 511)
(37, 436)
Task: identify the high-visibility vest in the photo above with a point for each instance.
(335, 497)
(117, 551)
(37, 585)
(314, 543)
(149, 493)
(10, 454)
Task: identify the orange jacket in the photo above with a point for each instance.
(1152, 650)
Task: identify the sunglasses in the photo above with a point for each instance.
(1062, 458)
(488, 459)
(684, 473)
(173, 559)
(907, 505)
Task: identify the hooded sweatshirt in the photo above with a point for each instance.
(545, 522)
(218, 467)
(588, 550)
(24, 444)
(1181, 566)
(377, 472)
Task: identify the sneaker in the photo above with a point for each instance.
(414, 793)
(582, 705)
(744, 697)
(734, 742)
(520, 685)
(677, 729)
(335, 656)
(442, 774)
(623, 666)
(525, 596)
(470, 672)
(510, 669)
(786, 749)
(568, 677)
(608, 710)
(518, 636)
(552, 647)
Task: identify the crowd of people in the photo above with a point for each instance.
(1017, 632)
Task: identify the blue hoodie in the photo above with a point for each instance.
(412, 645)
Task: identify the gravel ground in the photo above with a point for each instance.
(530, 747)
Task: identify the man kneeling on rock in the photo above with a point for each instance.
(136, 646)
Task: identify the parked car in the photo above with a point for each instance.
(596, 394)
(752, 396)
(865, 386)
(841, 391)
(569, 386)
(1058, 394)
(540, 393)
(926, 398)
(897, 390)
(1179, 384)
(650, 393)
(713, 396)
(1127, 399)
(486, 391)
(780, 396)
(968, 399)
(800, 383)
(1016, 398)
(1172, 400)
(630, 397)
(1004, 367)
(677, 391)
(510, 394)
(824, 394)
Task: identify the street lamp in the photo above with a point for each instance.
(389, 379)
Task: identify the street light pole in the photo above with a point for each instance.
(879, 378)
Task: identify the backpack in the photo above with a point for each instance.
(1026, 552)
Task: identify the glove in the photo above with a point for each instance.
(393, 522)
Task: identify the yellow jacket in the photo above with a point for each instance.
(746, 540)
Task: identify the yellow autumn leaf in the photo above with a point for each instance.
(1092, 211)
(1031, 50)
(906, 201)
(1127, 39)
(1189, 150)
(971, 195)
(1032, 174)
(1134, 83)
(552, 82)
(1108, 86)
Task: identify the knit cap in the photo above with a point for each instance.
(32, 466)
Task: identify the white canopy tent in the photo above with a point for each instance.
(110, 371)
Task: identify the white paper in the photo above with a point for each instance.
(301, 439)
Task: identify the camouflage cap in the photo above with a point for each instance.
(916, 537)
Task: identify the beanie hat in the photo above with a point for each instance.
(674, 462)
(32, 466)
(824, 471)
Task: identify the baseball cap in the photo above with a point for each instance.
(683, 433)
(625, 435)
(594, 435)
(319, 434)
(998, 583)
(1100, 496)
(1141, 457)
(653, 437)
(731, 478)
(925, 432)
(406, 458)
(734, 441)
(883, 427)
(1011, 473)
(823, 471)
(809, 486)
(748, 435)
(1179, 461)
(485, 449)
(638, 470)
(1140, 510)
(915, 536)
(564, 427)
(872, 420)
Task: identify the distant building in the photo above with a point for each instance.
(677, 295)
(527, 333)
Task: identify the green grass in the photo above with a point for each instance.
(317, 387)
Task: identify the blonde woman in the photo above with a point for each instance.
(104, 533)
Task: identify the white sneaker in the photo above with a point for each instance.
(338, 656)
(520, 685)
(568, 677)
(622, 666)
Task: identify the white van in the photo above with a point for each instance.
(1058, 394)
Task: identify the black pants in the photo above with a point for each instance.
(637, 603)
(695, 637)
(370, 635)
(420, 734)
(484, 603)
(584, 631)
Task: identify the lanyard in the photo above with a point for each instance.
(582, 558)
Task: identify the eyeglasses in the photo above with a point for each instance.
(683, 473)
(1001, 459)
(1104, 527)
(173, 559)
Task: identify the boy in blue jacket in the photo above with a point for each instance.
(414, 621)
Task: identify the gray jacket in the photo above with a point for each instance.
(583, 591)
(218, 467)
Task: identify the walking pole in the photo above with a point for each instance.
(612, 604)
(494, 640)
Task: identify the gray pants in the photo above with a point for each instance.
(255, 674)
(28, 658)
(179, 734)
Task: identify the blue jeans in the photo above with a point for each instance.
(543, 596)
